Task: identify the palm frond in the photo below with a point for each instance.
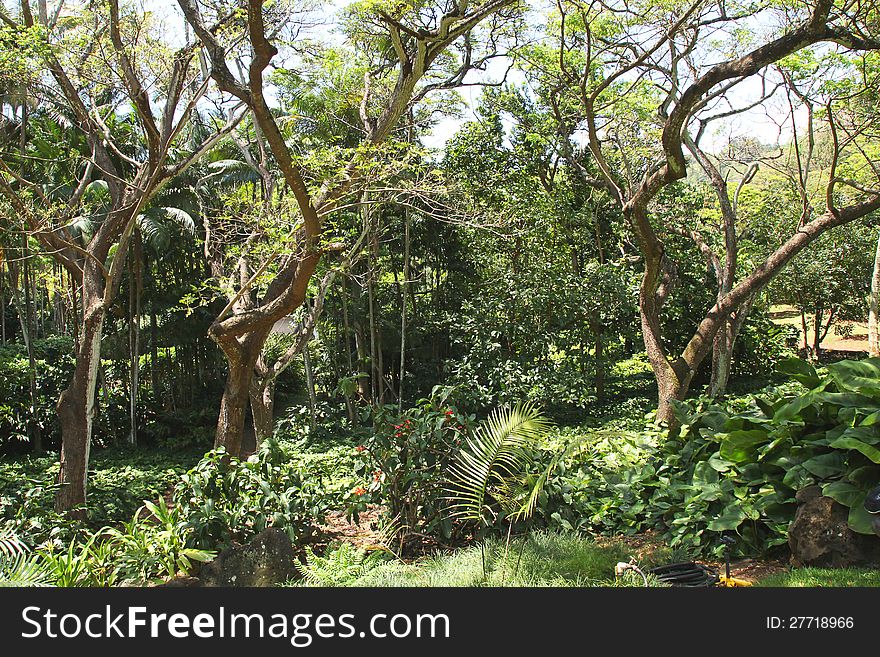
(10, 544)
(492, 464)
(18, 567)
(24, 570)
(231, 172)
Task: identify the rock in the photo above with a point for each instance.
(820, 536)
(267, 560)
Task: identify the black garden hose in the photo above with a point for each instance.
(686, 573)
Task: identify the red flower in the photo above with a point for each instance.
(360, 448)
(360, 490)
(449, 412)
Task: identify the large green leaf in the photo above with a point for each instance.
(739, 446)
(848, 442)
(730, 519)
(799, 370)
(844, 492)
(826, 465)
(857, 375)
(860, 520)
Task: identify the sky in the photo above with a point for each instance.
(762, 123)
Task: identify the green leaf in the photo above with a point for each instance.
(857, 375)
(860, 520)
(739, 446)
(800, 371)
(826, 465)
(730, 519)
(848, 442)
(844, 493)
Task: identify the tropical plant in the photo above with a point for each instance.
(18, 566)
(403, 462)
(488, 479)
(224, 499)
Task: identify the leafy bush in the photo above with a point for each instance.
(119, 481)
(402, 465)
(735, 468)
(148, 548)
(224, 500)
(54, 367)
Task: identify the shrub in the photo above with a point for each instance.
(224, 500)
(403, 464)
(733, 470)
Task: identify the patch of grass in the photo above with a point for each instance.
(824, 577)
(540, 559)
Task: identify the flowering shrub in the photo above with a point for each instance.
(404, 463)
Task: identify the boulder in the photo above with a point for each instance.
(820, 536)
(267, 560)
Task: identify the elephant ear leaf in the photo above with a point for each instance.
(857, 376)
(860, 520)
(740, 446)
(800, 371)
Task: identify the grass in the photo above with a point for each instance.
(824, 577)
(540, 559)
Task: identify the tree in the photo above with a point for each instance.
(163, 88)
(405, 44)
(620, 65)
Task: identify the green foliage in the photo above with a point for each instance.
(17, 566)
(340, 565)
(149, 548)
(403, 465)
(153, 546)
(54, 367)
(733, 469)
(224, 499)
(489, 476)
(120, 479)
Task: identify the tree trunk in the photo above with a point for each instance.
(233, 406)
(154, 356)
(403, 317)
(263, 408)
(28, 334)
(874, 306)
(817, 335)
(722, 357)
(241, 357)
(600, 367)
(723, 346)
(310, 386)
(76, 410)
(134, 336)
